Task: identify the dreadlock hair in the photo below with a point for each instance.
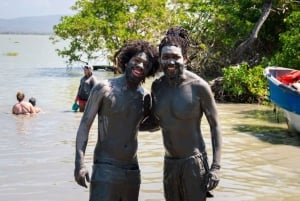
(176, 36)
(134, 47)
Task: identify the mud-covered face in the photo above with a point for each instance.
(137, 68)
(172, 61)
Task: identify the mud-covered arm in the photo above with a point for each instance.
(150, 122)
(210, 110)
(94, 81)
(92, 107)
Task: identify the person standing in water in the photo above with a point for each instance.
(22, 107)
(120, 103)
(87, 82)
(180, 98)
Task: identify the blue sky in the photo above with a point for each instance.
(20, 8)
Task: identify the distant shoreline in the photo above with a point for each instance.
(25, 33)
(38, 25)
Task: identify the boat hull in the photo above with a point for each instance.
(284, 96)
(293, 121)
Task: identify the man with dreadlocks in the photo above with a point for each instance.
(121, 104)
(180, 98)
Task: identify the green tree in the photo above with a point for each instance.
(232, 32)
(104, 25)
(223, 33)
(289, 52)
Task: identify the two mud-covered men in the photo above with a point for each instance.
(179, 100)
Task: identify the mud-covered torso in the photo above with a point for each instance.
(179, 111)
(119, 100)
(180, 101)
(119, 115)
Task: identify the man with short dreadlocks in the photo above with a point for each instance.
(180, 98)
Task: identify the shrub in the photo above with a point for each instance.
(245, 85)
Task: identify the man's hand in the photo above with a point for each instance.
(213, 177)
(81, 176)
(149, 123)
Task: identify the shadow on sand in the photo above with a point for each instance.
(267, 125)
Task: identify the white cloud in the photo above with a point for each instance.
(21, 8)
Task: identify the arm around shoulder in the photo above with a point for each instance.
(150, 122)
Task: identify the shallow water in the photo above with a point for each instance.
(260, 158)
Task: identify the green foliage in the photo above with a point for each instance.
(222, 26)
(104, 26)
(216, 28)
(289, 53)
(244, 84)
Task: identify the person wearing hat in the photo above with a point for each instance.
(87, 82)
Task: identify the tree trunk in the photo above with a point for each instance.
(244, 51)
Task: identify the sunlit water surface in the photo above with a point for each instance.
(260, 159)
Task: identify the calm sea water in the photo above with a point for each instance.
(260, 158)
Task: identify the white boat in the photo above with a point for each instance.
(293, 121)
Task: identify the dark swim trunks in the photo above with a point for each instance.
(186, 179)
(113, 183)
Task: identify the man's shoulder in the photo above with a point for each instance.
(155, 84)
(103, 85)
(192, 77)
(159, 80)
(83, 78)
(159, 83)
(16, 104)
(24, 104)
(15, 108)
(94, 78)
